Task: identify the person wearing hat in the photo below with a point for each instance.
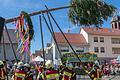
(95, 73)
(20, 73)
(2, 71)
(29, 75)
(14, 67)
(50, 73)
(68, 73)
(40, 70)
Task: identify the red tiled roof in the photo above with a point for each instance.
(37, 53)
(102, 31)
(73, 38)
(12, 36)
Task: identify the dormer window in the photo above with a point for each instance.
(112, 25)
(115, 25)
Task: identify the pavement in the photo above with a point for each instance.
(111, 77)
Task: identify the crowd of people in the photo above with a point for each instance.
(110, 69)
(47, 71)
(33, 71)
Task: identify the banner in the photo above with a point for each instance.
(84, 57)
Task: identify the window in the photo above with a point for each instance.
(79, 49)
(115, 25)
(64, 49)
(115, 40)
(101, 39)
(102, 49)
(112, 25)
(96, 49)
(116, 50)
(95, 39)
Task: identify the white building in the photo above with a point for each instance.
(77, 41)
(103, 41)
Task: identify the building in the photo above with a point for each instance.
(47, 50)
(105, 42)
(8, 48)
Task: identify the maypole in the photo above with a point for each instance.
(37, 13)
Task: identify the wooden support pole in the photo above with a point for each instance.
(5, 57)
(53, 35)
(42, 39)
(63, 34)
(11, 43)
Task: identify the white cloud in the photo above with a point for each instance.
(71, 28)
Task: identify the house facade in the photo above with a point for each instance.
(105, 42)
(77, 41)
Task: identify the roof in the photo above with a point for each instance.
(12, 36)
(38, 53)
(102, 31)
(73, 38)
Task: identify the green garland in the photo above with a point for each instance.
(30, 25)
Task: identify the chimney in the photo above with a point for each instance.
(116, 22)
(69, 29)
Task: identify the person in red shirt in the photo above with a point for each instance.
(68, 73)
(29, 73)
(20, 73)
(50, 73)
(2, 71)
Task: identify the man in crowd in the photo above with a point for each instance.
(2, 71)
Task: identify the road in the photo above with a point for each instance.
(103, 78)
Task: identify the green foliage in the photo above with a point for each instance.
(30, 25)
(90, 12)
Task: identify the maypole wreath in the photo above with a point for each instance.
(24, 32)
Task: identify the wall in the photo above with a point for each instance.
(84, 34)
(106, 44)
(8, 51)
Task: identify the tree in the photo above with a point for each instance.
(90, 12)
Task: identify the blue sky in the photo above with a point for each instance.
(12, 8)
